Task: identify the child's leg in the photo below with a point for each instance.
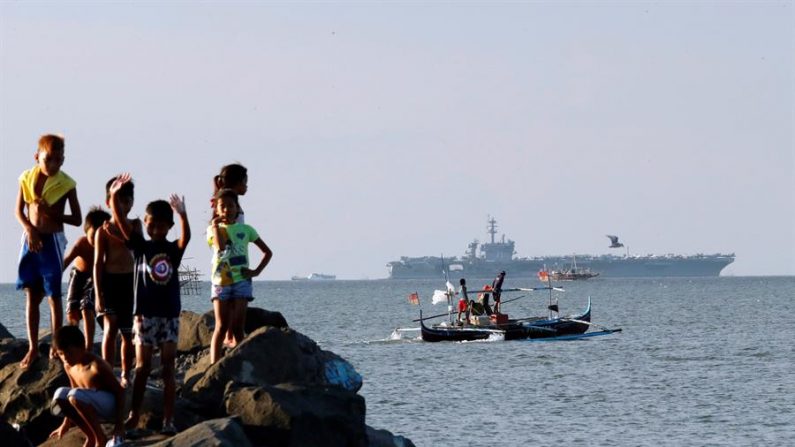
(127, 357)
(89, 326)
(168, 354)
(33, 296)
(222, 310)
(56, 319)
(73, 317)
(239, 320)
(89, 416)
(143, 366)
(109, 330)
(71, 413)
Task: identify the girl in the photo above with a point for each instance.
(234, 177)
(231, 277)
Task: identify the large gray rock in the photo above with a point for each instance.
(25, 396)
(271, 356)
(12, 350)
(384, 438)
(195, 331)
(12, 438)
(257, 318)
(215, 432)
(4, 332)
(288, 415)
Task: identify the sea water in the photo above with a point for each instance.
(700, 361)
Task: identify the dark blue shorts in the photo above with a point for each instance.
(42, 269)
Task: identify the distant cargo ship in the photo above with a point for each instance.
(315, 277)
(487, 259)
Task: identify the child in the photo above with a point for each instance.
(157, 295)
(114, 280)
(93, 396)
(231, 277)
(41, 201)
(234, 177)
(80, 297)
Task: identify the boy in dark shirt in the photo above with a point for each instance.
(157, 296)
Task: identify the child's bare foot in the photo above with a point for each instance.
(29, 360)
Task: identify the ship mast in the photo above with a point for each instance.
(492, 228)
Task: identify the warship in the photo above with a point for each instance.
(484, 260)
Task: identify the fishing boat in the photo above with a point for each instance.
(570, 274)
(512, 329)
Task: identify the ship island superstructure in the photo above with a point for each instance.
(485, 260)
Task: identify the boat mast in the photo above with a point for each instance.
(492, 228)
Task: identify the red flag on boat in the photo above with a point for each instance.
(414, 298)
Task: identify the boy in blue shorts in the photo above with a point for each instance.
(157, 296)
(44, 191)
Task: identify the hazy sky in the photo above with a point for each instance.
(373, 131)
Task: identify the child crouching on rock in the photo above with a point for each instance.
(94, 395)
(231, 277)
(157, 296)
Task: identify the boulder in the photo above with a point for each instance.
(11, 437)
(186, 414)
(270, 356)
(25, 396)
(296, 416)
(257, 318)
(13, 350)
(195, 331)
(215, 432)
(384, 438)
(4, 332)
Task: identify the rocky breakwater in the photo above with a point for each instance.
(277, 388)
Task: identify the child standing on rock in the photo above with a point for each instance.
(80, 297)
(41, 202)
(231, 276)
(157, 295)
(235, 177)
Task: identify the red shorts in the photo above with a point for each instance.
(462, 305)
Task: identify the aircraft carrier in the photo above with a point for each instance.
(485, 260)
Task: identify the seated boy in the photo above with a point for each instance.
(80, 297)
(94, 394)
(41, 202)
(157, 296)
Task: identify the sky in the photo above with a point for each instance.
(378, 130)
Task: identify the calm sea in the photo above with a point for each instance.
(706, 361)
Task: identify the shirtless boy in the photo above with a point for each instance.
(80, 296)
(114, 282)
(41, 202)
(93, 396)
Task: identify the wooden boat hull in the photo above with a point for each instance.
(513, 330)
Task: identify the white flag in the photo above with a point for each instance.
(439, 296)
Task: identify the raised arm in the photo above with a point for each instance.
(124, 225)
(219, 243)
(75, 218)
(178, 204)
(266, 258)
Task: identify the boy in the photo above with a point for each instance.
(41, 201)
(94, 395)
(80, 296)
(114, 281)
(157, 296)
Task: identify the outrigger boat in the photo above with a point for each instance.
(536, 327)
(500, 327)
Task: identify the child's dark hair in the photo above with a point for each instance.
(160, 211)
(95, 217)
(68, 336)
(230, 176)
(51, 142)
(126, 190)
(226, 193)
